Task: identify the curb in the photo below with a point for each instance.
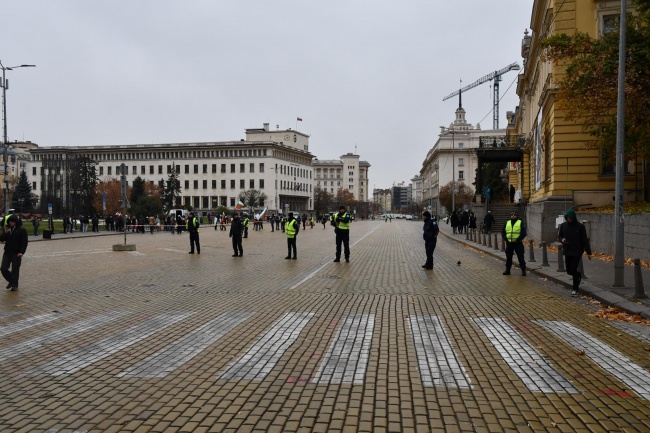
(602, 295)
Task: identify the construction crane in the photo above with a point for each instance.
(496, 77)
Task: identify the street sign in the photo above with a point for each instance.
(49, 208)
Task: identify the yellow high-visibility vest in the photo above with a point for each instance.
(513, 231)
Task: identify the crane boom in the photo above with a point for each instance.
(493, 76)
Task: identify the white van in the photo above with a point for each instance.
(184, 213)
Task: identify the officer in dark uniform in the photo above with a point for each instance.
(192, 226)
(236, 230)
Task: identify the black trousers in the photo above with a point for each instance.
(572, 263)
(343, 237)
(10, 259)
(236, 244)
(429, 248)
(515, 248)
(194, 240)
(291, 245)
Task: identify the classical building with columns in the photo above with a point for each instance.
(211, 174)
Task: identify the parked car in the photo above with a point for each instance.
(408, 217)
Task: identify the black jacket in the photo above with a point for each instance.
(15, 241)
(575, 235)
(431, 231)
(236, 227)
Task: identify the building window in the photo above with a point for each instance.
(214, 168)
(169, 169)
(223, 168)
(187, 169)
(187, 184)
(160, 169)
(205, 168)
(151, 169)
(461, 175)
(214, 184)
(251, 183)
(350, 187)
(261, 167)
(205, 184)
(196, 168)
(196, 184)
(251, 168)
(261, 183)
(101, 171)
(232, 202)
(109, 170)
(242, 168)
(461, 145)
(609, 24)
(232, 184)
(232, 168)
(223, 183)
(224, 200)
(242, 183)
(143, 169)
(461, 162)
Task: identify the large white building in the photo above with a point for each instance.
(453, 158)
(211, 174)
(349, 173)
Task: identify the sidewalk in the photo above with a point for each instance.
(597, 279)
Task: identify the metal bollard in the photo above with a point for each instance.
(484, 242)
(531, 257)
(466, 235)
(581, 269)
(639, 292)
(489, 238)
(496, 242)
(503, 245)
(476, 235)
(544, 255)
(560, 259)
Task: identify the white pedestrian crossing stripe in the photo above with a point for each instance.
(33, 321)
(63, 333)
(264, 354)
(87, 355)
(346, 359)
(187, 347)
(524, 360)
(606, 357)
(437, 360)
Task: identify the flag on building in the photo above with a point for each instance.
(298, 119)
(240, 205)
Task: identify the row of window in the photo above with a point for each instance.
(230, 153)
(242, 184)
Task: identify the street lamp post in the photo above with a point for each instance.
(5, 86)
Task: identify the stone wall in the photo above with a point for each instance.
(600, 229)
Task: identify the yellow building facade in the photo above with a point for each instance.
(560, 170)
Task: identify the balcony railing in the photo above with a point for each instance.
(516, 141)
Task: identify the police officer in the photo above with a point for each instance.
(15, 238)
(192, 226)
(236, 229)
(245, 223)
(342, 229)
(513, 234)
(291, 228)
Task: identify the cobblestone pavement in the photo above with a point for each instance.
(158, 340)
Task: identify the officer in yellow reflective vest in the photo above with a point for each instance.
(291, 228)
(192, 226)
(245, 222)
(342, 229)
(513, 234)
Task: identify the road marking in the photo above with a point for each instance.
(187, 347)
(606, 357)
(264, 354)
(174, 250)
(630, 329)
(439, 365)
(346, 359)
(136, 253)
(524, 360)
(87, 355)
(68, 331)
(328, 262)
(33, 321)
(66, 253)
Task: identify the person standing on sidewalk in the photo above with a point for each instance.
(236, 230)
(35, 223)
(573, 236)
(430, 236)
(488, 220)
(245, 224)
(192, 226)
(342, 229)
(291, 229)
(15, 239)
(513, 233)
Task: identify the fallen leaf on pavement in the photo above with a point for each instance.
(580, 352)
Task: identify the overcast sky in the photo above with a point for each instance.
(365, 73)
